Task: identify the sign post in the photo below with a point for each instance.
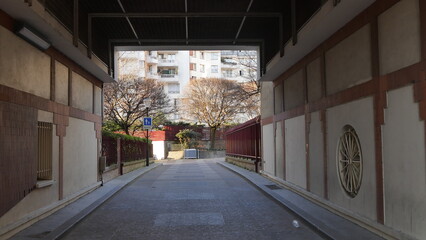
(147, 124)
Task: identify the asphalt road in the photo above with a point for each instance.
(190, 199)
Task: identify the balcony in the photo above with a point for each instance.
(152, 59)
(167, 62)
(227, 75)
(150, 75)
(167, 77)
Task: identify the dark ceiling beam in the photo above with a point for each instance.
(293, 22)
(128, 20)
(230, 41)
(186, 22)
(75, 36)
(242, 21)
(89, 37)
(186, 14)
(172, 15)
(281, 37)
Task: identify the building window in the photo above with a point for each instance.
(202, 55)
(349, 161)
(215, 69)
(201, 68)
(174, 88)
(214, 56)
(193, 66)
(228, 74)
(44, 163)
(191, 53)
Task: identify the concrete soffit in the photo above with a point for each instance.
(328, 20)
(20, 11)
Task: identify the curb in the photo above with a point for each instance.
(70, 223)
(317, 224)
(287, 205)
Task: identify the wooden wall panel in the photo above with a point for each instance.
(18, 151)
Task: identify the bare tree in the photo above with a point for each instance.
(214, 102)
(248, 62)
(123, 102)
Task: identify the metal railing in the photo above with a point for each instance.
(44, 163)
(167, 75)
(167, 61)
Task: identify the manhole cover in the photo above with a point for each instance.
(273, 187)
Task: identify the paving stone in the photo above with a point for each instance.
(190, 199)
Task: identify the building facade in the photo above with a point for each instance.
(176, 68)
(50, 122)
(345, 124)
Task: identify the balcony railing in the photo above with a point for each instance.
(152, 59)
(152, 75)
(168, 75)
(229, 75)
(167, 60)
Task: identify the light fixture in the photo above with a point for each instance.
(147, 102)
(32, 36)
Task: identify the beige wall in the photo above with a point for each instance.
(61, 83)
(313, 74)
(404, 164)
(42, 197)
(360, 115)
(279, 151)
(268, 149)
(82, 93)
(28, 70)
(293, 91)
(316, 155)
(267, 99)
(399, 36)
(349, 62)
(295, 156)
(80, 158)
(278, 98)
(98, 101)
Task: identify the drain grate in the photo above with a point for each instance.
(273, 187)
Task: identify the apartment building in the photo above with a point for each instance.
(176, 68)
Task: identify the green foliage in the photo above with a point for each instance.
(187, 137)
(123, 136)
(110, 126)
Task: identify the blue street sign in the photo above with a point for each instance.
(147, 123)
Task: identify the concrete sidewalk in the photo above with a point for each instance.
(332, 225)
(59, 222)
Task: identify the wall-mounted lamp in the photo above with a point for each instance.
(31, 36)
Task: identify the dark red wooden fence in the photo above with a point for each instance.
(244, 140)
(121, 150)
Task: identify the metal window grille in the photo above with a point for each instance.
(44, 165)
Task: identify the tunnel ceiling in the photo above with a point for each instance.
(262, 23)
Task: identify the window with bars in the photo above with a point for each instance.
(44, 165)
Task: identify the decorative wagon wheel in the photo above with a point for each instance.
(349, 161)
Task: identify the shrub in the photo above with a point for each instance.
(123, 136)
(187, 137)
